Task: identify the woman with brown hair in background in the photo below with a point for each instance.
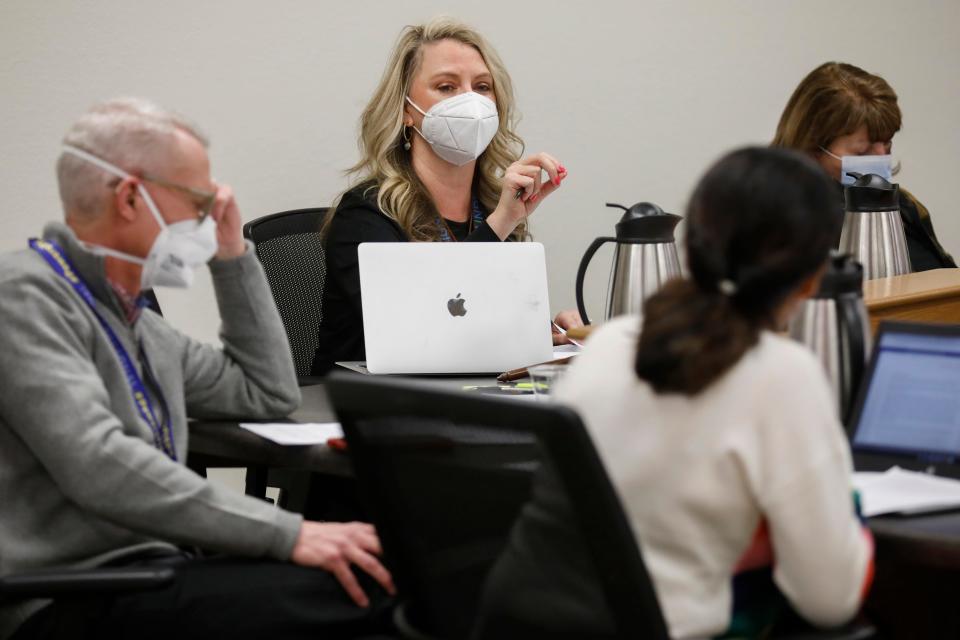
(845, 119)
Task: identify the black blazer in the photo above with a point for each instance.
(358, 219)
(922, 243)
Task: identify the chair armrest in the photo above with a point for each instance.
(50, 583)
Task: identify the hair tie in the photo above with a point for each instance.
(727, 287)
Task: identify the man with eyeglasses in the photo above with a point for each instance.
(96, 393)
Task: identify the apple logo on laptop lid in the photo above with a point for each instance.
(455, 306)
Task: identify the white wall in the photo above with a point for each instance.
(636, 98)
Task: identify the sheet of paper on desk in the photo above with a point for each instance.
(295, 433)
(565, 351)
(899, 491)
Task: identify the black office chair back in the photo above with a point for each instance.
(443, 493)
(288, 245)
(445, 476)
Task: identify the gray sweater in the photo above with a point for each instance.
(81, 481)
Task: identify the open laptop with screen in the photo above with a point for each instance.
(908, 409)
(454, 308)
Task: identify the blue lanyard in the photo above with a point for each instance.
(162, 432)
(476, 214)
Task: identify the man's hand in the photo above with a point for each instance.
(229, 224)
(335, 546)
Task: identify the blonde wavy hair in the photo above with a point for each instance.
(385, 166)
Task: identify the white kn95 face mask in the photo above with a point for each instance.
(177, 250)
(459, 128)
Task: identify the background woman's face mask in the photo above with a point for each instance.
(176, 251)
(459, 128)
(880, 165)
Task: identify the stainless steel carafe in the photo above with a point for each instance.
(834, 324)
(645, 258)
(872, 229)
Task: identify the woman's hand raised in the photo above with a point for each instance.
(523, 190)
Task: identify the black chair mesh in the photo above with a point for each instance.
(451, 478)
(288, 245)
(430, 468)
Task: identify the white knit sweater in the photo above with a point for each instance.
(697, 475)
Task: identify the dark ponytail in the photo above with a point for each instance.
(759, 222)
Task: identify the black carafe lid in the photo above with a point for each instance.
(645, 222)
(844, 275)
(871, 192)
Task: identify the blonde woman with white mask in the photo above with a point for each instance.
(440, 162)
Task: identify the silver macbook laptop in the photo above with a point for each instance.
(454, 308)
(908, 410)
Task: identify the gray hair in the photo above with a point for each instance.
(131, 133)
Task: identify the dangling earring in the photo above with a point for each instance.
(406, 139)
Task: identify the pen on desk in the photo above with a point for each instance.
(516, 374)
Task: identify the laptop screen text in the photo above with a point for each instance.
(913, 401)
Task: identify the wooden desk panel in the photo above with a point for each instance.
(927, 296)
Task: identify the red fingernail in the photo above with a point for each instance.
(562, 168)
(534, 197)
(556, 181)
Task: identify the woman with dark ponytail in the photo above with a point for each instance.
(719, 434)
(759, 227)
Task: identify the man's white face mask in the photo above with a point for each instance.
(459, 128)
(177, 250)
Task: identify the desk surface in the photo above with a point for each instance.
(911, 288)
(915, 590)
(931, 540)
(227, 443)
